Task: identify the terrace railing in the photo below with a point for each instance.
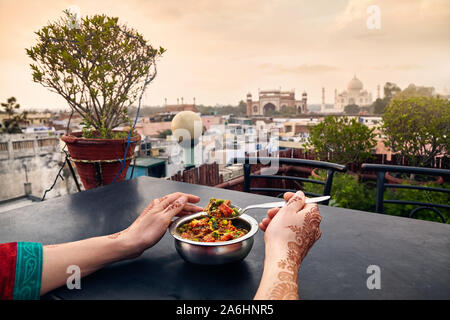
(248, 176)
(382, 185)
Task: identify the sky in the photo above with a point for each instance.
(219, 50)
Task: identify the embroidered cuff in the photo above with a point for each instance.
(27, 285)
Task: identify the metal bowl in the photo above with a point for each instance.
(215, 253)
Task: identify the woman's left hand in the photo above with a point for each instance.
(153, 222)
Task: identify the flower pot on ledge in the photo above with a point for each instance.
(99, 160)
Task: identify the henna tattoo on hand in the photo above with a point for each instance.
(294, 199)
(151, 206)
(174, 205)
(305, 236)
(114, 236)
(52, 246)
(117, 234)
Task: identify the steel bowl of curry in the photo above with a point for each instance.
(211, 240)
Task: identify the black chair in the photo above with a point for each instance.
(381, 186)
(330, 167)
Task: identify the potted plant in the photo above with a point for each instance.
(100, 67)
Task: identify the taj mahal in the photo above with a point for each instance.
(353, 95)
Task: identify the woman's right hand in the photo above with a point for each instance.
(290, 232)
(292, 229)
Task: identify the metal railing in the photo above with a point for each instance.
(382, 185)
(248, 176)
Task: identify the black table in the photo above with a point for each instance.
(414, 256)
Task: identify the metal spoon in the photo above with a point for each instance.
(273, 205)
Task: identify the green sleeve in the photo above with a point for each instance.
(27, 283)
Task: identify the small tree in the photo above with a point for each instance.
(379, 105)
(351, 109)
(418, 128)
(164, 133)
(415, 91)
(98, 68)
(390, 89)
(12, 123)
(345, 140)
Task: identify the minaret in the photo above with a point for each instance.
(322, 107)
(378, 91)
(178, 101)
(165, 101)
(304, 102)
(194, 101)
(335, 98)
(249, 104)
(182, 100)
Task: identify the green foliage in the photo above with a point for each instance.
(415, 91)
(390, 89)
(351, 109)
(99, 68)
(101, 131)
(379, 105)
(418, 195)
(418, 128)
(346, 192)
(12, 123)
(345, 139)
(164, 133)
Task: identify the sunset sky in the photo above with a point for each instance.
(217, 51)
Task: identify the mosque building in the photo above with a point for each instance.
(276, 100)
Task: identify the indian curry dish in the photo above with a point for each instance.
(212, 228)
(220, 209)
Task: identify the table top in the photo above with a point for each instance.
(413, 255)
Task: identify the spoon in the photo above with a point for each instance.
(274, 205)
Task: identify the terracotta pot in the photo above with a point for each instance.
(97, 160)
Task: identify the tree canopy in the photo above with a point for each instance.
(351, 109)
(342, 140)
(418, 128)
(12, 123)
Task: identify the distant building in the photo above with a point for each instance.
(353, 95)
(444, 94)
(276, 100)
(180, 107)
(38, 119)
(33, 119)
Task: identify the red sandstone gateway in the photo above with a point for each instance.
(98, 161)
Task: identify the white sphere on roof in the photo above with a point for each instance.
(187, 124)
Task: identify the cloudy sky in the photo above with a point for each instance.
(218, 50)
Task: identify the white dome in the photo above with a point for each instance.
(355, 85)
(186, 123)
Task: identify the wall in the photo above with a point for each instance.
(33, 158)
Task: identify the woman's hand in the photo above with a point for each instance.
(153, 222)
(295, 222)
(290, 232)
(95, 253)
